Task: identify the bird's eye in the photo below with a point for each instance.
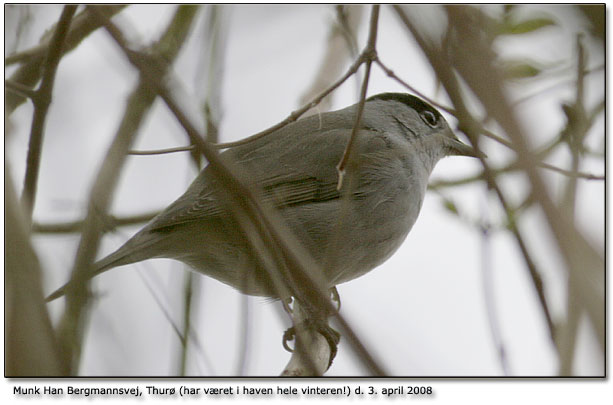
(429, 118)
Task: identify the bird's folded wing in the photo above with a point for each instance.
(303, 172)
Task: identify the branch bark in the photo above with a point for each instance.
(77, 297)
(29, 73)
(42, 101)
(292, 269)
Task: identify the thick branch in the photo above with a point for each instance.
(584, 263)
(471, 128)
(77, 295)
(292, 269)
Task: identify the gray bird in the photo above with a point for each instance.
(348, 232)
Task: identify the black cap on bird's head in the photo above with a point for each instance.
(414, 102)
(431, 116)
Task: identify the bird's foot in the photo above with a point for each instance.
(312, 319)
(332, 336)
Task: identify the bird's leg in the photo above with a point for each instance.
(313, 320)
(287, 305)
(335, 297)
(290, 333)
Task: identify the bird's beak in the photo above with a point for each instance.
(458, 148)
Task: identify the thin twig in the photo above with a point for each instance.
(42, 101)
(471, 128)
(573, 174)
(189, 148)
(554, 86)
(29, 72)
(149, 280)
(485, 131)
(77, 294)
(208, 84)
(245, 332)
(299, 112)
(268, 235)
(584, 263)
(488, 292)
(368, 55)
(390, 73)
(20, 89)
(188, 288)
(575, 136)
(77, 226)
(340, 46)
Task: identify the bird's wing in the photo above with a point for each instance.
(303, 171)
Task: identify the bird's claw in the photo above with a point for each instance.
(288, 335)
(332, 336)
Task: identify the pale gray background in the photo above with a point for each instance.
(421, 313)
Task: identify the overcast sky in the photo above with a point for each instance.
(423, 312)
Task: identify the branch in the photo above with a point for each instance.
(485, 131)
(368, 55)
(471, 128)
(299, 112)
(311, 356)
(576, 132)
(189, 148)
(110, 222)
(292, 270)
(19, 89)
(42, 100)
(208, 84)
(489, 296)
(584, 263)
(30, 344)
(141, 99)
(29, 72)
(340, 46)
(390, 73)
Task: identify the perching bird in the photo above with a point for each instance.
(348, 232)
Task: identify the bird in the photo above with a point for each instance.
(361, 224)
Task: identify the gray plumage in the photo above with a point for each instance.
(401, 138)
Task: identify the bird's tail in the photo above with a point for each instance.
(113, 260)
(133, 251)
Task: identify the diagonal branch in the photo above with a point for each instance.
(585, 265)
(292, 269)
(77, 294)
(29, 72)
(471, 128)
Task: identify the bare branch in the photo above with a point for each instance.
(292, 269)
(575, 134)
(42, 100)
(584, 263)
(471, 128)
(312, 353)
(368, 55)
(19, 89)
(31, 349)
(390, 73)
(299, 112)
(77, 295)
(30, 72)
(110, 222)
(340, 47)
(189, 148)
